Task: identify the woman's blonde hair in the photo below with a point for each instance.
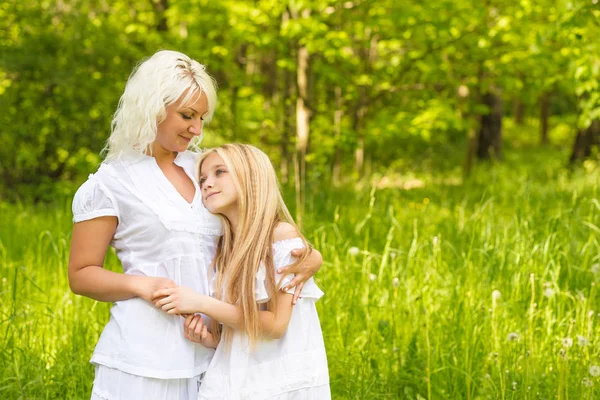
(154, 84)
(239, 254)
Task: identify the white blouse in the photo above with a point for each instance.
(158, 234)
(293, 367)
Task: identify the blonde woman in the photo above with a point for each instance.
(145, 202)
(265, 348)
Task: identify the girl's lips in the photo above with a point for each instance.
(212, 194)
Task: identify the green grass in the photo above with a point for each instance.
(411, 316)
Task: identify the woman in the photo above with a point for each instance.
(144, 201)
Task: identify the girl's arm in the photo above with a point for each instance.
(183, 300)
(87, 277)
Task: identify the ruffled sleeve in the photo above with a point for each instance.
(282, 257)
(93, 200)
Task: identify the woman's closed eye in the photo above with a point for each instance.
(186, 116)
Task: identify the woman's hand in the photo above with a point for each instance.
(177, 300)
(146, 286)
(302, 270)
(194, 330)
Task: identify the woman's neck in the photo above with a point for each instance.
(161, 155)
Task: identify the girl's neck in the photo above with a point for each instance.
(233, 218)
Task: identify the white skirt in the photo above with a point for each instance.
(112, 384)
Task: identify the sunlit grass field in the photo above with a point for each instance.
(437, 287)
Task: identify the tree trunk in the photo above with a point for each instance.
(489, 140)
(357, 125)
(302, 129)
(519, 111)
(544, 115)
(337, 133)
(585, 139)
(286, 125)
(240, 60)
(160, 10)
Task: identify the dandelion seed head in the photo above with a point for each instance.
(435, 240)
(372, 277)
(567, 342)
(514, 385)
(582, 341)
(590, 313)
(587, 382)
(594, 370)
(487, 376)
(595, 269)
(512, 337)
(353, 251)
(562, 353)
(496, 294)
(548, 292)
(396, 282)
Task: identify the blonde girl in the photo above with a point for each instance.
(266, 347)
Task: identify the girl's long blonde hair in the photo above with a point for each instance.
(260, 209)
(154, 84)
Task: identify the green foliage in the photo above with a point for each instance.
(409, 73)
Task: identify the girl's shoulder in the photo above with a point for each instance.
(284, 231)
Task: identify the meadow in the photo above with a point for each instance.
(437, 287)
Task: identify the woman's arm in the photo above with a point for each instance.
(302, 271)
(183, 300)
(87, 277)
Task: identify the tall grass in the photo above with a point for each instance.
(477, 289)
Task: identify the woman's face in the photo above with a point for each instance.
(218, 190)
(182, 124)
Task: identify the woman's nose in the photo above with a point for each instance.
(195, 127)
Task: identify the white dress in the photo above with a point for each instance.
(292, 368)
(142, 352)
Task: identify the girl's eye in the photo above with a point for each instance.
(201, 182)
(220, 171)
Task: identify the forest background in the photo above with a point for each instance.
(441, 155)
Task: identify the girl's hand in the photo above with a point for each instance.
(302, 271)
(146, 286)
(194, 330)
(178, 300)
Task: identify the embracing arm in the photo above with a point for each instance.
(87, 277)
(183, 300)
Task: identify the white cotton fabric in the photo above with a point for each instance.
(158, 234)
(112, 384)
(291, 368)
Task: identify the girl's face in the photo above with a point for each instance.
(182, 124)
(218, 190)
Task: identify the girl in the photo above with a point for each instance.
(266, 349)
(145, 202)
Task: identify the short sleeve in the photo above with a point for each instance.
(282, 257)
(93, 200)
